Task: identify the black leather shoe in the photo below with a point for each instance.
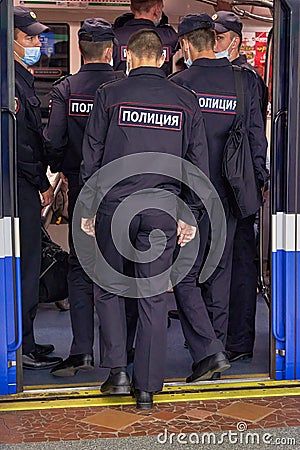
(205, 369)
(117, 384)
(144, 399)
(215, 376)
(34, 361)
(44, 349)
(70, 366)
(235, 356)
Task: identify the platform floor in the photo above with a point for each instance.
(258, 423)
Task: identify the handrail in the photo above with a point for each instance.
(276, 318)
(235, 6)
(15, 242)
(244, 13)
(13, 347)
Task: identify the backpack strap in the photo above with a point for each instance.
(240, 107)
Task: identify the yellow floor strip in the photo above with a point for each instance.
(252, 376)
(77, 398)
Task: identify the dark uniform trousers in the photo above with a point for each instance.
(31, 179)
(196, 325)
(72, 100)
(216, 290)
(151, 336)
(79, 284)
(213, 79)
(242, 309)
(242, 306)
(30, 232)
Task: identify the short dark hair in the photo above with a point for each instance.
(145, 43)
(144, 5)
(93, 50)
(202, 39)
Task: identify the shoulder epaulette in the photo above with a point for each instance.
(190, 90)
(167, 25)
(250, 69)
(112, 81)
(61, 79)
(172, 75)
(236, 67)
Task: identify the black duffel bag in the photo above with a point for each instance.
(54, 270)
(238, 169)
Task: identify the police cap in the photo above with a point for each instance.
(96, 30)
(25, 19)
(227, 21)
(136, 4)
(193, 22)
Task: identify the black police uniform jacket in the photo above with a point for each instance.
(30, 148)
(143, 113)
(213, 82)
(167, 34)
(70, 105)
(241, 61)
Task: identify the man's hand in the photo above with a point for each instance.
(88, 226)
(185, 233)
(63, 178)
(47, 197)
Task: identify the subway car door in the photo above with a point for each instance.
(286, 192)
(10, 290)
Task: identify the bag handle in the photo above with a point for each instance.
(240, 106)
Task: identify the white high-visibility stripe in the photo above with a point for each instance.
(2, 239)
(17, 237)
(274, 233)
(8, 236)
(5, 237)
(284, 232)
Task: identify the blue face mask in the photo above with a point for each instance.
(128, 68)
(32, 55)
(223, 54)
(188, 62)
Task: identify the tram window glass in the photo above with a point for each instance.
(54, 62)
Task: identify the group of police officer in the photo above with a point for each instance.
(146, 115)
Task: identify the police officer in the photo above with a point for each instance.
(128, 119)
(147, 14)
(213, 81)
(32, 180)
(229, 39)
(242, 305)
(71, 102)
